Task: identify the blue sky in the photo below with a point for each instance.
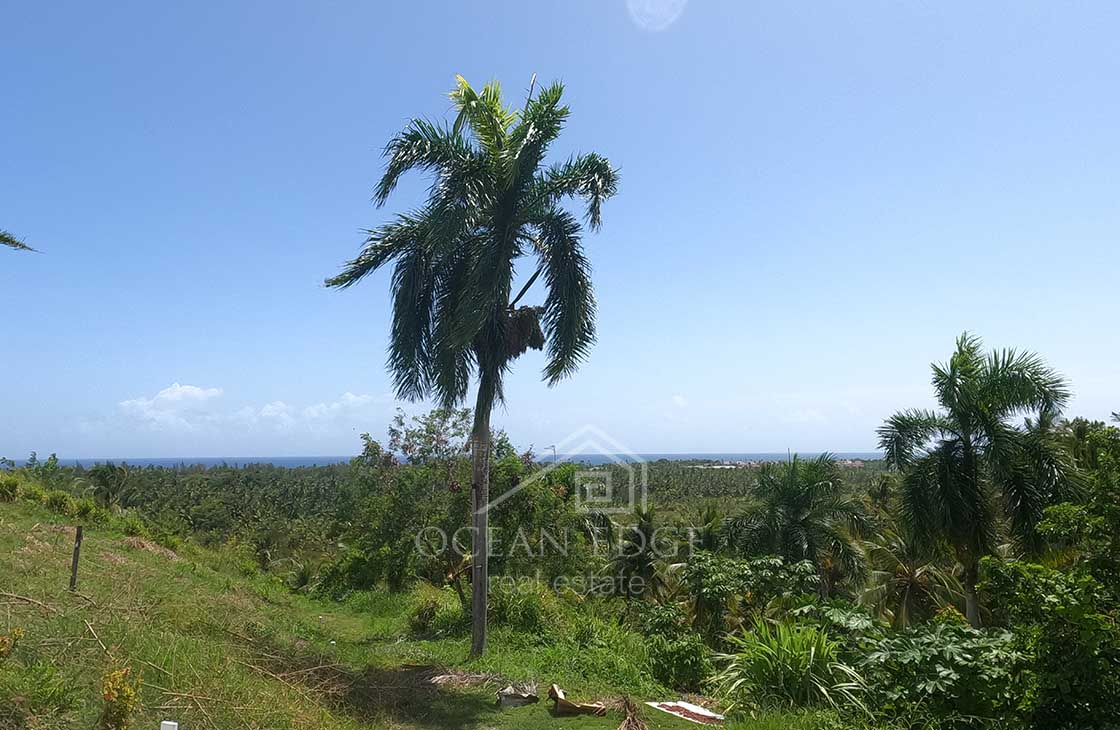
(816, 199)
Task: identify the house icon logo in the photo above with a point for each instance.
(597, 489)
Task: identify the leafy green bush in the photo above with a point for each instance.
(58, 501)
(88, 512)
(353, 570)
(438, 612)
(787, 665)
(591, 631)
(32, 492)
(1071, 644)
(944, 670)
(167, 539)
(131, 524)
(679, 662)
(524, 608)
(9, 488)
(678, 656)
(423, 616)
(727, 592)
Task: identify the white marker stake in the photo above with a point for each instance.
(168, 725)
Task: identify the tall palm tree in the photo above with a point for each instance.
(491, 203)
(803, 512)
(9, 240)
(967, 466)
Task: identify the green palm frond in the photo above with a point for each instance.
(569, 308)
(428, 147)
(589, 177)
(907, 584)
(484, 114)
(9, 240)
(1017, 382)
(907, 434)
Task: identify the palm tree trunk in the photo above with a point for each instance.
(971, 600)
(480, 498)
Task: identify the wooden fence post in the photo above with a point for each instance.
(74, 563)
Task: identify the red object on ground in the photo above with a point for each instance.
(688, 714)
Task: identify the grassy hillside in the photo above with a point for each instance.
(214, 644)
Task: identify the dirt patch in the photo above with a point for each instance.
(424, 695)
(113, 558)
(139, 543)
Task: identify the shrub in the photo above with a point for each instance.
(354, 570)
(32, 492)
(790, 665)
(678, 656)
(120, 698)
(168, 539)
(9, 488)
(58, 501)
(133, 525)
(420, 622)
(438, 613)
(523, 608)
(726, 593)
(680, 662)
(591, 631)
(88, 511)
(1071, 645)
(945, 670)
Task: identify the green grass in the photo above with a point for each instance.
(214, 644)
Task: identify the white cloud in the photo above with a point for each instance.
(277, 413)
(346, 404)
(191, 409)
(176, 406)
(680, 401)
(172, 397)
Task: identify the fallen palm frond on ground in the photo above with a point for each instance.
(633, 719)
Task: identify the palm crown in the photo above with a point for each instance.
(491, 203)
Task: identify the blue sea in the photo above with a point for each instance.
(296, 461)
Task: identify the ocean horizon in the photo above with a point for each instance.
(306, 461)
